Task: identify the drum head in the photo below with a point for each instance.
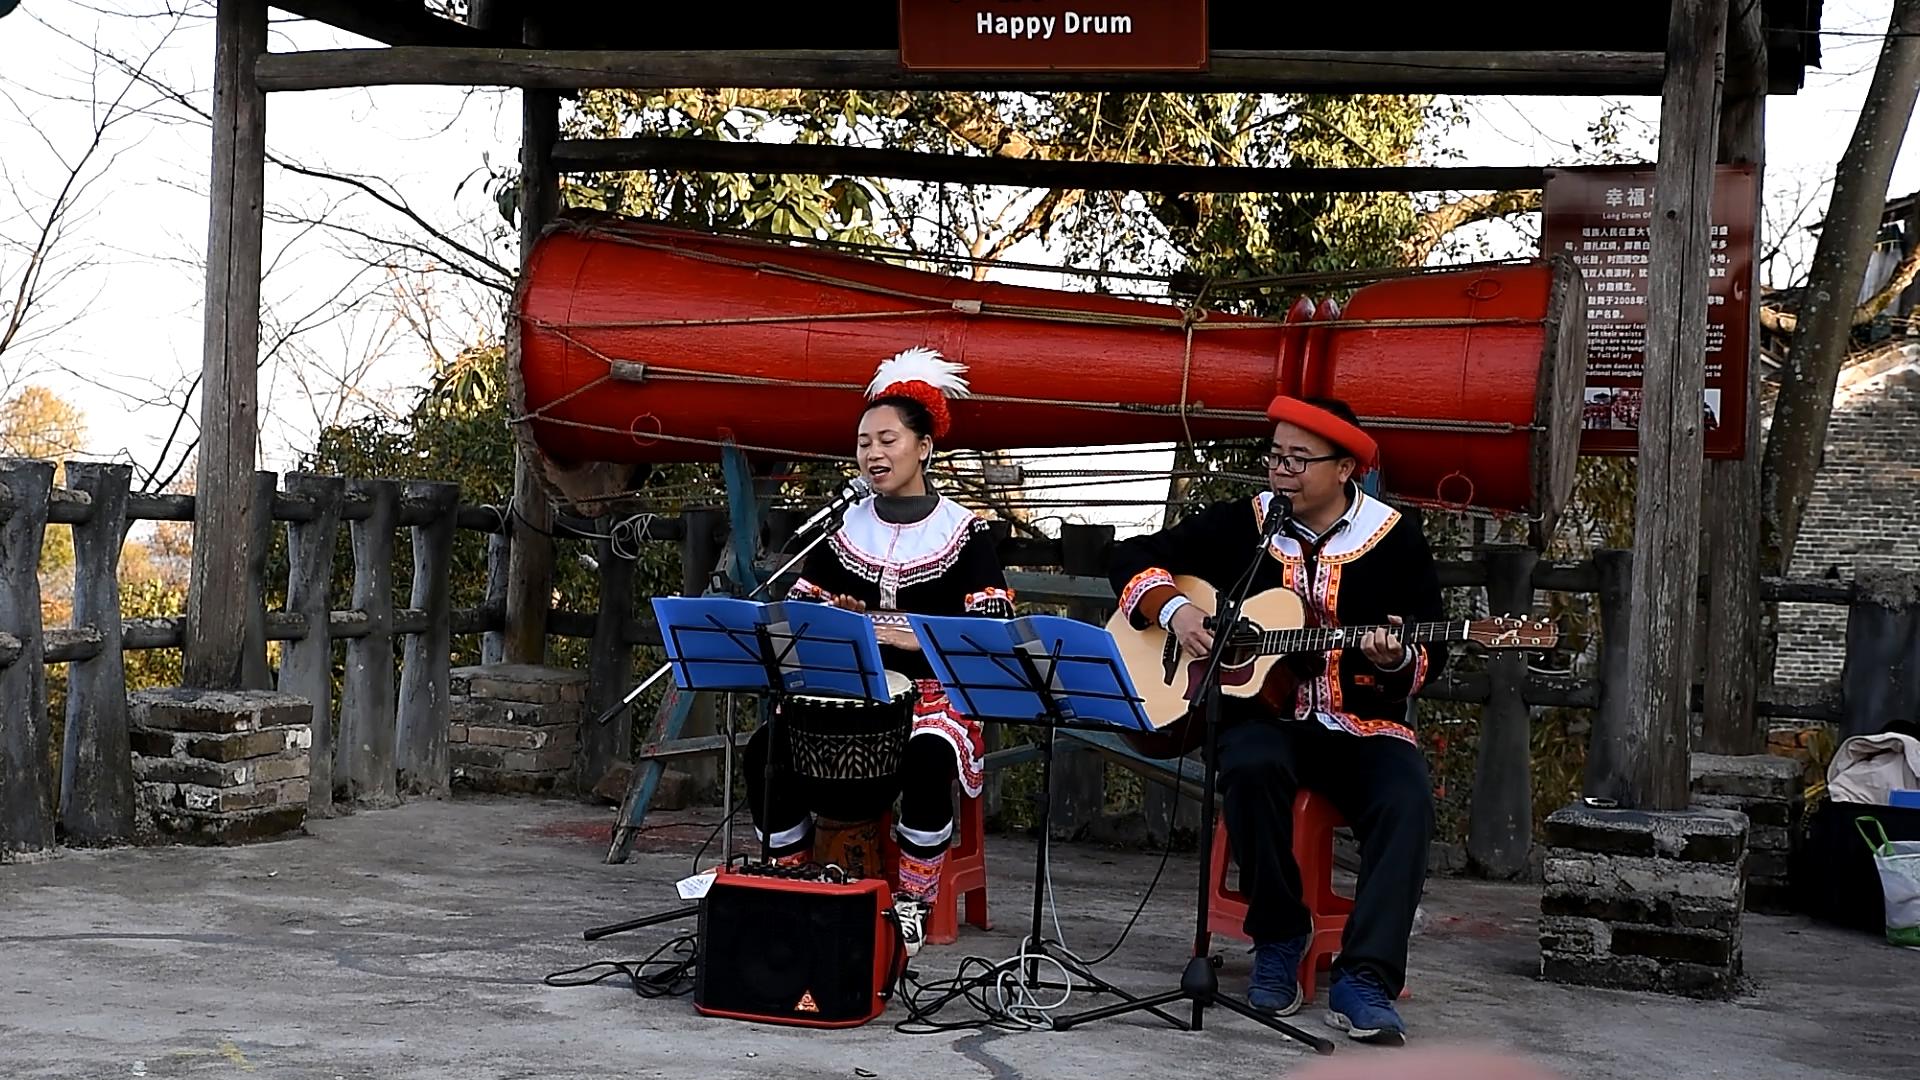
(898, 685)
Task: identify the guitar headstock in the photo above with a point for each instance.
(1513, 632)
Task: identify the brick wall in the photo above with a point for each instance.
(1865, 512)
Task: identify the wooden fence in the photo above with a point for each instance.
(390, 718)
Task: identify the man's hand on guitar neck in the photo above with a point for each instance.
(1384, 647)
(1188, 625)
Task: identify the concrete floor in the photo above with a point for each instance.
(412, 943)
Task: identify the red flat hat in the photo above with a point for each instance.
(1345, 437)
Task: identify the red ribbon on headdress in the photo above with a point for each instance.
(1346, 437)
(926, 394)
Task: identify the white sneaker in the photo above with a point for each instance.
(911, 914)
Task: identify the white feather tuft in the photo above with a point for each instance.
(920, 364)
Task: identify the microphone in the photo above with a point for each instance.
(855, 490)
(1279, 512)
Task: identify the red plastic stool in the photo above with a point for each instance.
(964, 874)
(1314, 820)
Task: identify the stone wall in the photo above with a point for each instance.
(515, 727)
(1863, 514)
(1644, 901)
(219, 767)
(1769, 790)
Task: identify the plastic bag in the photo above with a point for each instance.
(1899, 864)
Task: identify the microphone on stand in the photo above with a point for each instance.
(1279, 512)
(855, 490)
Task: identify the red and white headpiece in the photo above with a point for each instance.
(1345, 437)
(925, 376)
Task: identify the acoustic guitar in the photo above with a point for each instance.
(1272, 627)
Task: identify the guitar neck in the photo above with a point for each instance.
(1326, 638)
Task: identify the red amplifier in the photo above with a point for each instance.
(785, 946)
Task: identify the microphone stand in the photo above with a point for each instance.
(633, 694)
(1199, 983)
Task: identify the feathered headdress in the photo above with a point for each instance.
(925, 376)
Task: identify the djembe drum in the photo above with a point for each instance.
(847, 752)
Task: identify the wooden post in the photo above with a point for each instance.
(1880, 681)
(1079, 794)
(306, 668)
(530, 577)
(255, 673)
(424, 709)
(1667, 508)
(365, 755)
(700, 548)
(609, 669)
(26, 821)
(1730, 723)
(1609, 745)
(96, 765)
(229, 387)
(493, 643)
(1500, 818)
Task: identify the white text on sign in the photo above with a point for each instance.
(1042, 27)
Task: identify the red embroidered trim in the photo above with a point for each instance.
(1142, 583)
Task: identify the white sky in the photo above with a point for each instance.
(134, 331)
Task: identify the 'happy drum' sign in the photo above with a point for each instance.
(1053, 35)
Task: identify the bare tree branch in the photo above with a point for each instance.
(1437, 224)
(1904, 274)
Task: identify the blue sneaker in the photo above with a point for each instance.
(1275, 987)
(1359, 1005)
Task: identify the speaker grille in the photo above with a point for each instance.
(798, 956)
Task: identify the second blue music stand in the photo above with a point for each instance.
(1051, 672)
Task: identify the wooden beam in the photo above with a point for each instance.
(229, 385)
(306, 665)
(712, 155)
(394, 22)
(1667, 505)
(96, 768)
(1500, 820)
(1730, 723)
(364, 754)
(530, 555)
(424, 706)
(26, 803)
(1491, 72)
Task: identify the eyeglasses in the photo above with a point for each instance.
(1293, 463)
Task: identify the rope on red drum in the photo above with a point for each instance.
(879, 253)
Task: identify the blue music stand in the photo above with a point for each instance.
(785, 647)
(722, 643)
(1037, 669)
(1048, 671)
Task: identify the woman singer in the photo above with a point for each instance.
(908, 549)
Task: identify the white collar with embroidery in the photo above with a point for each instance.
(1367, 519)
(915, 551)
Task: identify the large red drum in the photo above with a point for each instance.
(643, 343)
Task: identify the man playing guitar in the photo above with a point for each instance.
(1334, 722)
